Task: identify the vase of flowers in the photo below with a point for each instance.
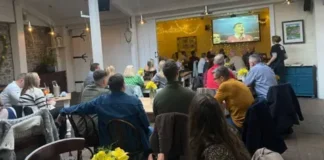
(242, 73)
(152, 87)
(109, 154)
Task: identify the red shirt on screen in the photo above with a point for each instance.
(211, 83)
(238, 39)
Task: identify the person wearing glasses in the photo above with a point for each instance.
(237, 97)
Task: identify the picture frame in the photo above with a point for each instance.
(187, 44)
(293, 32)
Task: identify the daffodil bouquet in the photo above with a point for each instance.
(108, 154)
(242, 72)
(140, 72)
(151, 86)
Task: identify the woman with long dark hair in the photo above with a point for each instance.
(210, 136)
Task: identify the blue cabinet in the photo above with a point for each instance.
(302, 79)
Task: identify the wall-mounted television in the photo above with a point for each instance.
(236, 29)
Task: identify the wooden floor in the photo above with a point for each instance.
(307, 141)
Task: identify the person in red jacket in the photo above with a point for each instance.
(218, 61)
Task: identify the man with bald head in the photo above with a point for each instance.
(218, 61)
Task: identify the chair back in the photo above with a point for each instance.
(53, 150)
(125, 135)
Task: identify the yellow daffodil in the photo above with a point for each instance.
(120, 154)
(277, 77)
(151, 86)
(140, 72)
(242, 72)
(101, 155)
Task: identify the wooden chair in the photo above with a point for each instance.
(89, 133)
(53, 150)
(126, 136)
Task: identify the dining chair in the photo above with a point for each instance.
(52, 151)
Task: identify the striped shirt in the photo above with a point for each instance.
(35, 99)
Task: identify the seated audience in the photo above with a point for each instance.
(7, 112)
(174, 97)
(110, 71)
(201, 64)
(89, 79)
(236, 61)
(32, 97)
(222, 52)
(32, 100)
(238, 98)
(260, 77)
(159, 78)
(149, 70)
(210, 137)
(98, 88)
(218, 61)
(192, 60)
(10, 95)
(131, 78)
(117, 105)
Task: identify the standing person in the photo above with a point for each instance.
(211, 83)
(117, 105)
(236, 61)
(238, 97)
(10, 95)
(222, 51)
(192, 60)
(201, 64)
(246, 56)
(260, 76)
(159, 78)
(278, 56)
(89, 79)
(209, 140)
(174, 97)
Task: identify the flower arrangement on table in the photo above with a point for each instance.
(108, 154)
(242, 73)
(140, 72)
(152, 87)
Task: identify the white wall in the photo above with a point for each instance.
(297, 53)
(116, 51)
(6, 11)
(319, 32)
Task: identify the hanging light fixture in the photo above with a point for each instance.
(142, 20)
(52, 33)
(30, 28)
(288, 2)
(87, 28)
(206, 11)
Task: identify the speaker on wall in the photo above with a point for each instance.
(308, 5)
(104, 5)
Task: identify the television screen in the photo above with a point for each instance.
(236, 29)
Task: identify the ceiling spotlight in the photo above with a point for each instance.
(288, 2)
(142, 20)
(30, 28)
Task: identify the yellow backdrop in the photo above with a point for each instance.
(169, 31)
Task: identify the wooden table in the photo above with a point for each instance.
(148, 107)
(66, 100)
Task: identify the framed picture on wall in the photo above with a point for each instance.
(293, 32)
(187, 44)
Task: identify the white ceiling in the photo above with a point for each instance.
(68, 11)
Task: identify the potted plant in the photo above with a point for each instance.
(48, 62)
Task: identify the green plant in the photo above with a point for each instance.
(48, 58)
